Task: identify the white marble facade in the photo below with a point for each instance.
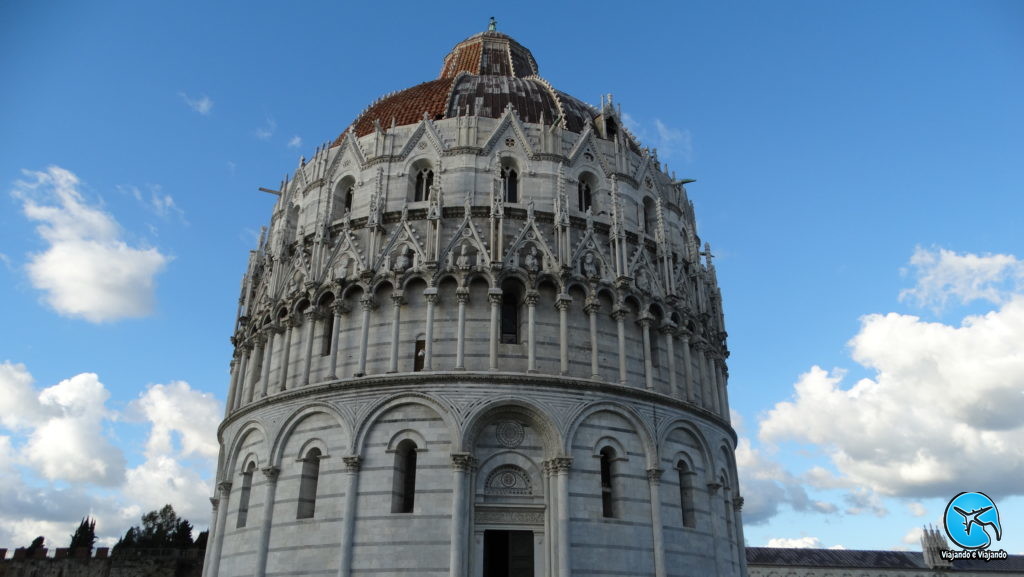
(475, 345)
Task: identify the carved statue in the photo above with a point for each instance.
(590, 268)
(531, 261)
(464, 261)
(402, 261)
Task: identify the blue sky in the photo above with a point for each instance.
(859, 177)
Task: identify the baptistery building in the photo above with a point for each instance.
(480, 336)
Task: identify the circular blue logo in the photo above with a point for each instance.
(968, 518)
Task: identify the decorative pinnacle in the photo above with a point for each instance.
(492, 26)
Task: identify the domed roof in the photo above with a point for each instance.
(481, 76)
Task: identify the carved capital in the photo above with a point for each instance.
(654, 475)
(368, 303)
(713, 487)
(397, 299)
(737, 504)
(259, 339)
(668, 328)
(430, 295)
(271, 473)
(562, 302)
(645, 319)
(495, 296)
(214, 503)
(339, 307)
(592, 306)
(619, 313)
(532, 297)
(310, 314)
(463, 461)
(561, 464)
(353, 463)
(224, 487)
(462, 294)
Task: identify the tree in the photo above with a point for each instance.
(85, 534)
(37, 543)
(161, 529)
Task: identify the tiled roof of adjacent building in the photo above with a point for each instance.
(854, 559)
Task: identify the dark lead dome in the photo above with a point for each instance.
(481, 76)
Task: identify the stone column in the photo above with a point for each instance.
(654, 480)
(243, 373)
(214, 501)
(271, 474)
(255, 366)
(737, 506)
(340, 309)
(495, 296)
(550, 518)
(668, 330)
(713, 488)
(645, 328)
(619, 314)
(224, 488)
(268, 357)
(462, 294)
(461, 465)
(592, 307)
(562, 465)
(232, 392)
(562, 304)
(396, 326)
(364, 333)
(290, 325)
(310, 319)
(430, 295)
(348, 520)
(687, 367)
(531, 330)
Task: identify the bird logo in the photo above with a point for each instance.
(967, 519)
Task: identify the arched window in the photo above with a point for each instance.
(307, 484)
(607, 491)
(650, 215)
(510, 184)
(349, 192)
(510, 313)
(420, 355)
(424, 180)
(585, 195)
(243, 495)
(403, 492)
(686, 494)
(328, 324)
(343, 197)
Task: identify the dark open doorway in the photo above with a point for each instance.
(508, 554)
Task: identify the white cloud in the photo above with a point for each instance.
(944, 409)
(65, 423)
(178, 410)
(673, 142)
(295, 142)
(766, 486)
(266, 131)
(203, 105)
(87, 271)
(913, 537)
(50, 468)
(943, 275)
(800, 543)
(157, 202)
(917, 509)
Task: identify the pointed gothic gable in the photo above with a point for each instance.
(465, 232)
(426, 132)
(346, 257)
(587, 142)
(645, 169)
(590, 243)
(403, 234)
(529, 235)
(509, 126)
(348, 151)
(644, 273)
